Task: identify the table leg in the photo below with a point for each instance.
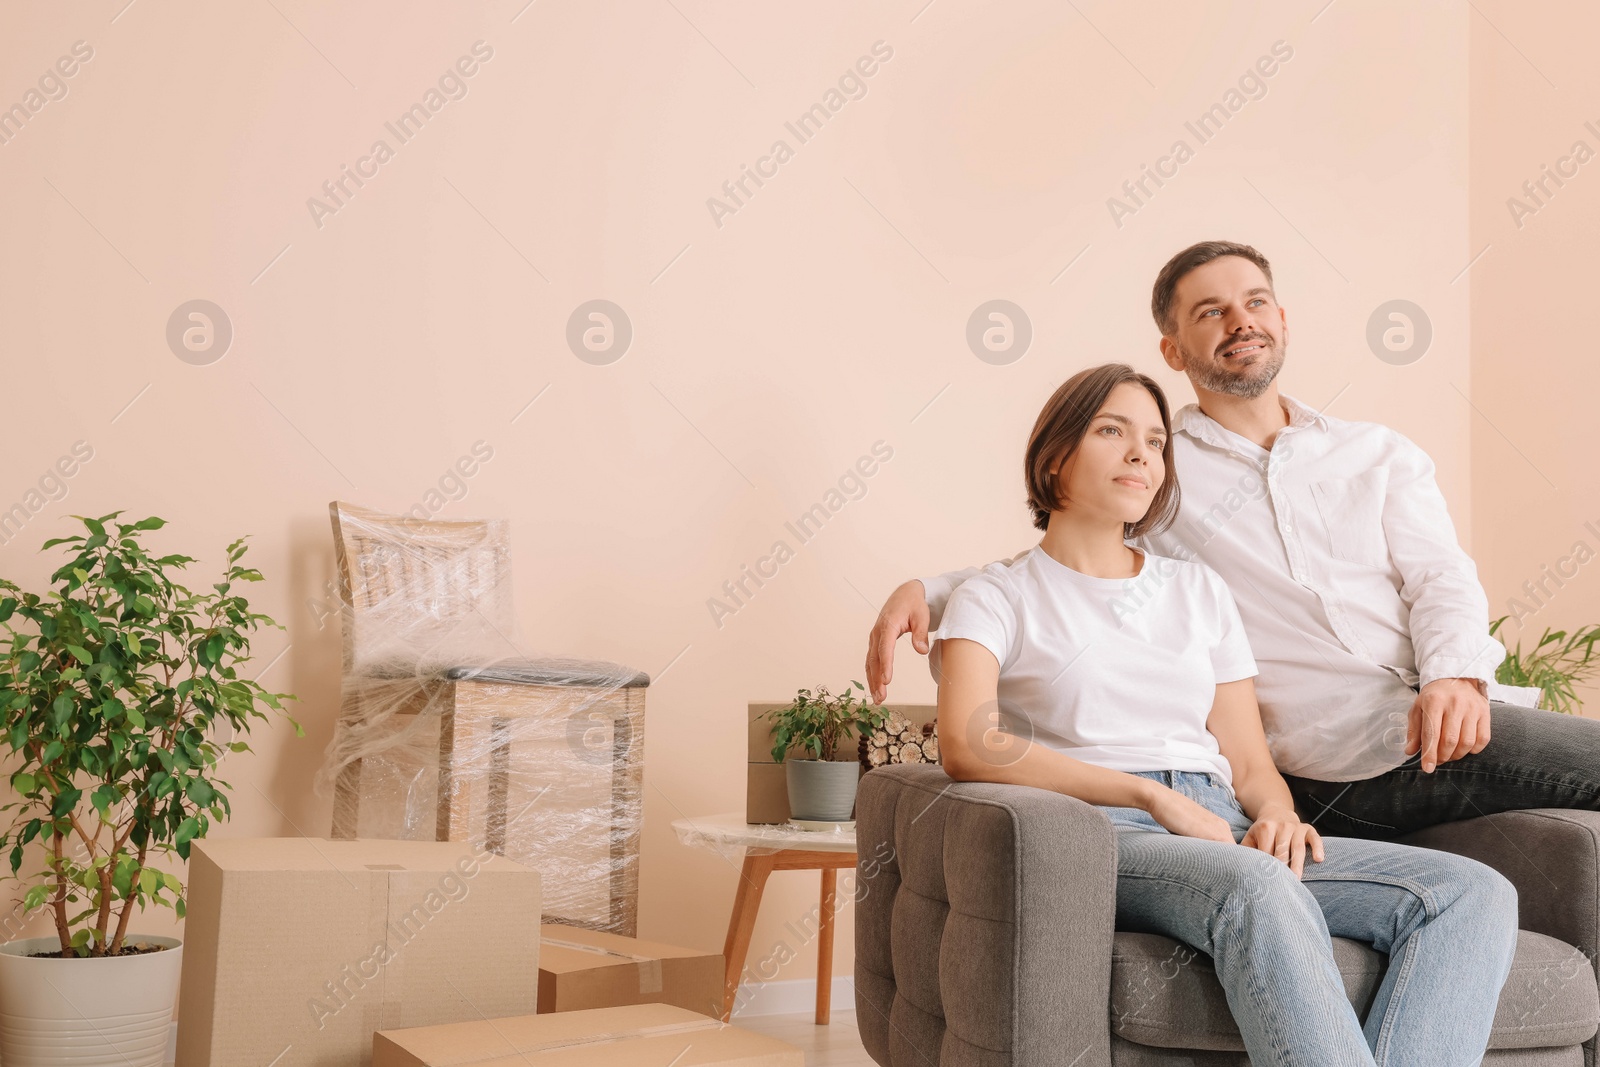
(830, 881)
(752, 880)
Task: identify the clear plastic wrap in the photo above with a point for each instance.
(450, 730)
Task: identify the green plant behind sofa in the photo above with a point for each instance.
(1557, 664)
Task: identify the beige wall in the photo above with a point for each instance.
(770, 351)
(1536, 490)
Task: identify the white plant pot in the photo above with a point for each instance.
(115, 1011)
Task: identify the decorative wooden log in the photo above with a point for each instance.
(899, 740)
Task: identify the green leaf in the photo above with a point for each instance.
(152, 523)
(103, 797)
(23, 782)
(66, 800)
(188, 829)
(81, 653)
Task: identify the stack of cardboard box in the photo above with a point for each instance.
(299, 951)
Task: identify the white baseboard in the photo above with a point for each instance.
(794, 997)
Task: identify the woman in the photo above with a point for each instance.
(1124, 680)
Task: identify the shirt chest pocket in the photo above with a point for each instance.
(1352, 515)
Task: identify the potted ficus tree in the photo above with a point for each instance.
(822, 789)
(119, 696)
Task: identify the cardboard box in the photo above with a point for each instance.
(581, 969)
(766, 786)
(597, 1037)
(296, 951)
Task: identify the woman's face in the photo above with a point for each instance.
(1117, 467)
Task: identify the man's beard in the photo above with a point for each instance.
(1212, 376)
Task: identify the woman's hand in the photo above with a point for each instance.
(1236, 724)
(1184, 817)
(1279, 832)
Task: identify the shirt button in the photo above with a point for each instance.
(1288, 528)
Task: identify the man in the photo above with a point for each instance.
(1366, 618)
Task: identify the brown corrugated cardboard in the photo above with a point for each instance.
(297, 950)
(766, 786)
(597, 1037)
(581, 969)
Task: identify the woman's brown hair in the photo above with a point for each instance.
(1062, 424)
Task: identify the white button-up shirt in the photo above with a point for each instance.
(1340, 553)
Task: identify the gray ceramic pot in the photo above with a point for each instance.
(824, 790)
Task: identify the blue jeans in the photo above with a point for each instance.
(1448, 924)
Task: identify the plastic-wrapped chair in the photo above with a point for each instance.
(447, 732)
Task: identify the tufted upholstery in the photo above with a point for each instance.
(985, 936)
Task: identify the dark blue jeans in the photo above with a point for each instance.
(1534, 759)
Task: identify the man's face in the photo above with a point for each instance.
(1229, 334)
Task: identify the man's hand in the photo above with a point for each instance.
(906, 611)
(1278, 831)
(1449, 719)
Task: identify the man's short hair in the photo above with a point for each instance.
(1196, 255)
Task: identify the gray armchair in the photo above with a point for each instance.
(985, 936)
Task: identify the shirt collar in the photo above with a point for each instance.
(1197, 424)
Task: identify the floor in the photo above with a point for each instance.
(834, 1045)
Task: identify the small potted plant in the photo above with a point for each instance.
(119, 696)
(821, 787)
(1556, 664)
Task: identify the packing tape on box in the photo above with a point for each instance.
(392, 974)
(611, 1037)
(649, 973)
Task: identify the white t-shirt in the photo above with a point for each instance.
(1118, 672)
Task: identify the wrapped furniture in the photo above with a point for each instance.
(985, 934)
(449, 731)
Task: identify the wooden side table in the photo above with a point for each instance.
(768, 848)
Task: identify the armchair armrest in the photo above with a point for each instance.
(1552, 856)
(984, 919)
